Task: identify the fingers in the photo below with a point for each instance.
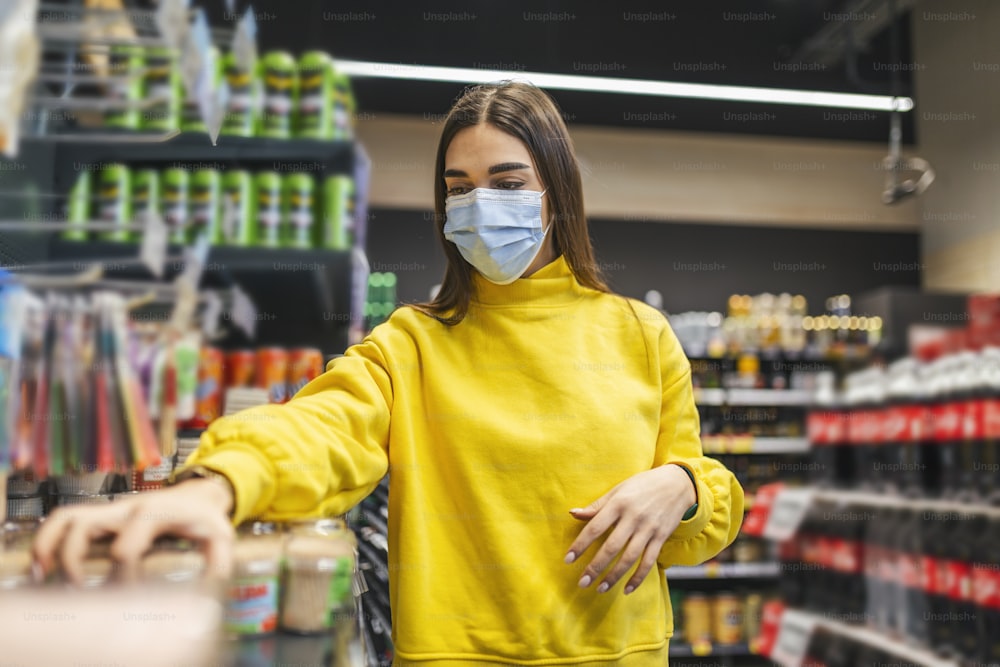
(47, 540)
(613, 545)
(79, 528)
(595, 527)
(645, 565)
(634, 550)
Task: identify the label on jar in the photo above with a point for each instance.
(252, 607)
(341, 592)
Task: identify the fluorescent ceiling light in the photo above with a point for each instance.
(600, 84)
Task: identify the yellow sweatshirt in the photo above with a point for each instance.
(543, 398)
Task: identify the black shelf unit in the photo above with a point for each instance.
(303, 297)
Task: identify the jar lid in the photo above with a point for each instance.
(174, 566)
(318, 553)
(257, 554)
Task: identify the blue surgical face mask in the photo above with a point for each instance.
(497, 231)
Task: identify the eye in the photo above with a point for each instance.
(510, 185)
(457, 190)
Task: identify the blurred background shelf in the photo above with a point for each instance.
(726, 571)
(746, 444)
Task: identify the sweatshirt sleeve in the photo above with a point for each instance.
(317, 455)
(720, 497)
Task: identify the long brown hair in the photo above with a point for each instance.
(526, 112)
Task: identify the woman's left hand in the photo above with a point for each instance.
(643, 511)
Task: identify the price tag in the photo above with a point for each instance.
(153, 251)
(243, 312)
(194, 263)
(794, 634)
(172, 21)
(195, 56)
(244, 46)
(212, 102)
(211, 315)
(787, 511)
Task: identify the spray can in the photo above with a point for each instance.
(145, 194)
(206, 206)
(163, 79)
(114, 201)
(125, 63)
(269, 209)
(299, 210)
(238, 208)
(316, 96)
(78, 208)
(240, 119)
(338, 212)
(277, 72)
(174, 200)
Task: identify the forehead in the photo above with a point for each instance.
(478, 147)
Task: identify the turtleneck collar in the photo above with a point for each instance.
(552, 285)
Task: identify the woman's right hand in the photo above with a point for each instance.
(196, 509)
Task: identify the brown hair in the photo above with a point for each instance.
(526, 112)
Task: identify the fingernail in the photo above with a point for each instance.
(629, 589)
(570, 557)
(585, 581)
(576, 510)
(603, 588)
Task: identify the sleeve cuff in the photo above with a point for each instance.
(694, 524)
(247, 473)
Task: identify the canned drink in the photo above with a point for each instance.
(277, 71)
(174, 198)
(316, 96)
(272, 373)
(343, 107)
(299, 215)
(163, 79)
(78, 208)
(238, 210)
(697, 619)
(389, 288)
(114, 201)
(727, 619)
(753, 610)
(208, 395)
(206, 208)
(338, 212)
(145, 193)
(125, 63)
(240, 118)
(269, 209)
(304, 365)
(240, 368)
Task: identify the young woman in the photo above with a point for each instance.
(539, 432)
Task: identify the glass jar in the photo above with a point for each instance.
(252, 599)
(15, 569)
(318, 582)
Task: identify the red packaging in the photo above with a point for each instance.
(240, 368)
(984, 312)
(208, 395)
(304, 364)
(272, 373)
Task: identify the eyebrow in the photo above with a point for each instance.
(495, 169)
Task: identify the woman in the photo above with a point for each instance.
(540, 432)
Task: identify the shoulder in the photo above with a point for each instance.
(652, 322)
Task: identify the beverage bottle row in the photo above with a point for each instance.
(919, 428)
(920, 574)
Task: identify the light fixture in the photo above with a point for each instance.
(600, 84)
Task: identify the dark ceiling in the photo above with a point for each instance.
(736, 42)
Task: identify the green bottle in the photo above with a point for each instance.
(163, 79)
(277, 71)
(338, 212)
(205, 195)
(389, 289)
(269, 216)
(343, 108)
(145, 195)
(316, 96)
(239, 208)
(126, 62)
(114, 201)
(299, 210)
(174, 200)
(78, 208)
(240, 119)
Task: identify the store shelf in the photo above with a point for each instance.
(725, 571)
(769, 397)
(897, 647)
(709, 396)
(308, 306)
(195, 149)
(870, 499)
(746, 444)
(687, 650)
